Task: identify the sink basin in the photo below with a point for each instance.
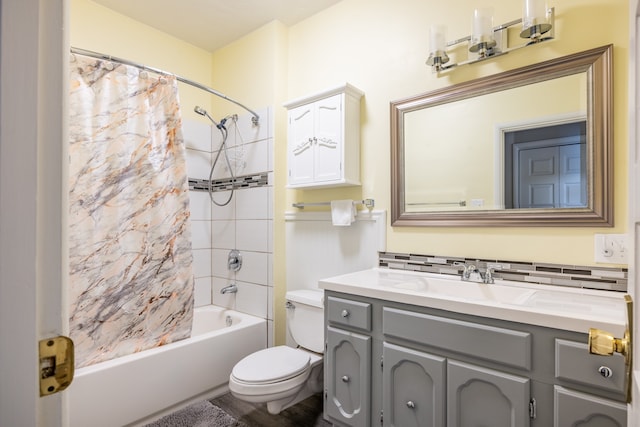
(467, 290)
(574, 303)
(572, 309)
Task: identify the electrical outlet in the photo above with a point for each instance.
(611, 248)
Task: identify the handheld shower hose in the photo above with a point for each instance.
(223, 130)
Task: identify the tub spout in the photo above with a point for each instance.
(231, 289)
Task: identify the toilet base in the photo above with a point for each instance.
(278, 402)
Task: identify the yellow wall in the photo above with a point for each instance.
(97, 28)
(380, 47)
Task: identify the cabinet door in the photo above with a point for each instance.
(328, 139)
(413, 388)
(301, 144)
(572, 408)
(348, 377)
(478, 397)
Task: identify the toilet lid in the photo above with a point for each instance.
(271, 365)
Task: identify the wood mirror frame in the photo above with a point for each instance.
(597, 64)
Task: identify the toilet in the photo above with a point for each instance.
(282, 376)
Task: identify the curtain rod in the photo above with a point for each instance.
(255, 119)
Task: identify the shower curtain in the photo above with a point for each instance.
(131, 282)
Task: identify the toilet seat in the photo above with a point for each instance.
(271, 365)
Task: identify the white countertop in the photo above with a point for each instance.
(559, 307)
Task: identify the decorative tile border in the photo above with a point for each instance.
(239, 183)
(604, 278)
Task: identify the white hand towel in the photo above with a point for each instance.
(343, 212)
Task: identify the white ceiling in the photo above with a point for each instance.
(211, 24)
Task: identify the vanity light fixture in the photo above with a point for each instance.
(487, 41)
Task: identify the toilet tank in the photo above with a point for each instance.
(305, 318)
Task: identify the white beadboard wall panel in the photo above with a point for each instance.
(252, 299)
(316, 249)
(252, 235)
(254, 268)
(224, 234)
(201, 263)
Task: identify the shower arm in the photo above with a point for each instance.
(255, 120)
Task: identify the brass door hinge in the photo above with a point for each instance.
(56, 364)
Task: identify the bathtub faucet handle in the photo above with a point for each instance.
(234, 261)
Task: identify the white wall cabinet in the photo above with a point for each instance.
(324, 139)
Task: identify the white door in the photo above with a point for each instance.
(32, 89)
(634, 197)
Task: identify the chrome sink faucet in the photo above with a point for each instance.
(471, 273)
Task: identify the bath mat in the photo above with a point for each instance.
(201, 414)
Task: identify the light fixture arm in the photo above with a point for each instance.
(439, 61)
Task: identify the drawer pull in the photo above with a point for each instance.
(411, 405)
(345, 313)
(605, 371)
(345, 379)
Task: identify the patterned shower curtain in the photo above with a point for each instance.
(131, 281)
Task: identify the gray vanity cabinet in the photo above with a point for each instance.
(573, 408)
(413, 391)
(393, 364)
(347, 372)
(479, 396)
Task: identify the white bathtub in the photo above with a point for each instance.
(138, 388)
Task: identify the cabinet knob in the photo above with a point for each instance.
(345, 379)
(345, 313)
(605, 371)
(410, 404)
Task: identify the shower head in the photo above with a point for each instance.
(199, 110)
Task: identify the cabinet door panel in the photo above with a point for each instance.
(479, 397)
(348, 377)
(413, 390)
(328, 139)
(301, 148)
(577, 409)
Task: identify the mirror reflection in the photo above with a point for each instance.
(530, 144)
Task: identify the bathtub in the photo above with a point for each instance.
(138, 388)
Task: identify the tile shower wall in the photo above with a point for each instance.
(245, 224)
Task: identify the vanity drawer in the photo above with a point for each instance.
(499, 345)
(346, 312)
(574, 363)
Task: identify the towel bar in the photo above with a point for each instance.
(369, 204)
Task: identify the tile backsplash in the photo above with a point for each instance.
(604, 278)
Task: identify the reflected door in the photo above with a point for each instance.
(550, 177)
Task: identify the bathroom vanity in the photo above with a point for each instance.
(412, 349)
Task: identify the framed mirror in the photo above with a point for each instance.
(527, 147)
